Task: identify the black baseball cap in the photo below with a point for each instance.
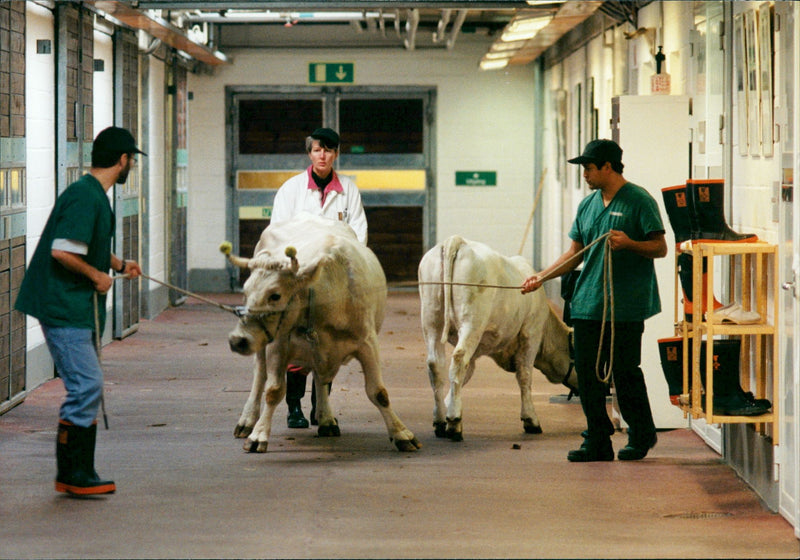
(598, 151)
(327, 136)
(115, 140)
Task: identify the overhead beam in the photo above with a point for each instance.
(300, 5)
(566, 18)
(160, 29)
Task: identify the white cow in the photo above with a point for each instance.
(315, 297)
(517, 331)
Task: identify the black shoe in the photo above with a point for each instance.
(635, 451)
(589, 452)
(296, 418)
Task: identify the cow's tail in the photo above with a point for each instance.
(226, 247)
(450, 249)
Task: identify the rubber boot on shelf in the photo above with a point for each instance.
(671, 353)
(685, 275)
(706, 201)
(729, 398)
(681, 218)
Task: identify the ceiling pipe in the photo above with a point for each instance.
(460, 17)
(411, 29)
(441, 27)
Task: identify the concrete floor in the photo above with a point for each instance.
(186, 489)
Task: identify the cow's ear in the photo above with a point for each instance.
(309, 273)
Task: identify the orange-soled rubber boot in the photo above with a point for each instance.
(706, 201)
(680, 216)
(75, 459)
(685, 263)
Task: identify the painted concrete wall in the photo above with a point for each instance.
(39, 141)
(157, 244)
(484, 121)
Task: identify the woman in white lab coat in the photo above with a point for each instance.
(321, 191)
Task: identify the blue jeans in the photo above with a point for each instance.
(75, 356)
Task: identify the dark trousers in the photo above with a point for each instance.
(627, 377)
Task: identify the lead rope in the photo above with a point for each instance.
(543, 279)
(97, 335)
(98, 349)
(608, 296)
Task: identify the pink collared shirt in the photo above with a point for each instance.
(334, 185)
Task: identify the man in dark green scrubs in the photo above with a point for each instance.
(69, 266)
(630, 217)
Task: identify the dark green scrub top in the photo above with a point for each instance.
(50, 292)
(634, 211)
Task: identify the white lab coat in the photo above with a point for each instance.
(294, 197)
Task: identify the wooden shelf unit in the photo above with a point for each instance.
(759, 277)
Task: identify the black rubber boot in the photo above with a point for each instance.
(295, 389)
(706, 201)
(729, 398)
(671, 352)
(683, 223)
(75, 460)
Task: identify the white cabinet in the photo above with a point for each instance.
(653, 132)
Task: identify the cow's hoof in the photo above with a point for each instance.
(440, 429)
(408, 444)
(255, 446)
(241, 431)
(453, 435)
(531, 428)
(329, 430)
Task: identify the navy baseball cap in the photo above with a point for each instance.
(598, 151)
(115, 140)
(327, 137)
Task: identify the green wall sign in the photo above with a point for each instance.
(331, 72)
(476, 178)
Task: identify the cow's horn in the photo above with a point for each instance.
(226, 248)
(291, 252)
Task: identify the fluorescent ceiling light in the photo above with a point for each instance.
(529, 24)
(505, 47)
(493, 64)
(524, 29)
(498, 55)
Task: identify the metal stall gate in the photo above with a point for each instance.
(126, 197)
(386, 148)
(13, 201)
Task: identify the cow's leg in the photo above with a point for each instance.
(258, 439)
(462, 366)
(328, 425)
(369, 358)
(436, 365)
(525, 358)
(432, 315)
(252, 408)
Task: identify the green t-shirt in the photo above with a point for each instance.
(50, 292)
(635, 212)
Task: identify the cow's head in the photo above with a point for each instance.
(270, 291)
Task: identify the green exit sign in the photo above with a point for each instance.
(331, 72)
(476, 178)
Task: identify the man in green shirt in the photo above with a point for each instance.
(69, 266)
(630, 217)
